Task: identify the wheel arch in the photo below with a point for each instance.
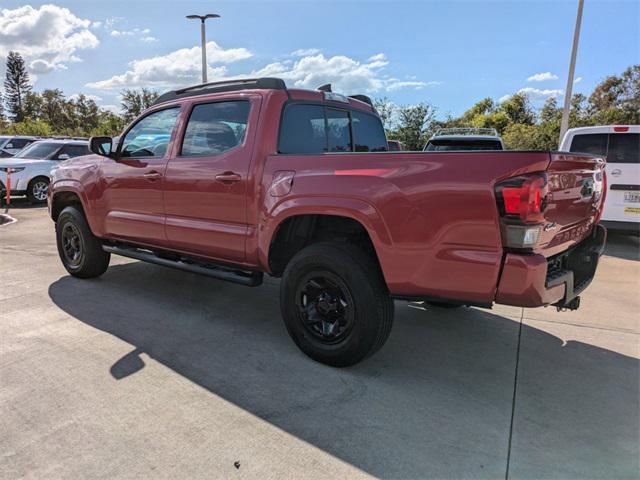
(293, 227)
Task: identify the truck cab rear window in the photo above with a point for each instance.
(318, 129)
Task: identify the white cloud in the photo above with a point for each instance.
(180, 67)
(542, 77)
(303, 52)
(392, 84)
(47, 37)
(111, 108)
(88, 96)
(344, 73)
(183, 67)
(536, 94)
(143, 34)
(577, 80)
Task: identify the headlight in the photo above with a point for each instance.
(12, 169)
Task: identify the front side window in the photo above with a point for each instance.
(368, 133)
(593, 143)
(150, 136)
(624, 148)
(214, 128)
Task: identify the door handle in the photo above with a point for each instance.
(616, 172)
(228, 177)
(152, 176)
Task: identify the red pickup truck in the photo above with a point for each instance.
(236, 179)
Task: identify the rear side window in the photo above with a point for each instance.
(595, 144)
(368, 133)
(338, 131)
(624, 148)
(303, 130)
(214, 128)
(319, 129)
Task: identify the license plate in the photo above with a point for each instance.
(631, 197)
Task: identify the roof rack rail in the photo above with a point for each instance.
(490, 132)
(264, 83)
(362, 98)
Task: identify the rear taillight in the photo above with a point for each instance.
(603, 194)
(523, 198)
(521, 202)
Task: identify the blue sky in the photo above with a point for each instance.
(449, 53)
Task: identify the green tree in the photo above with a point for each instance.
(484, 107)
(16, 85)
(30, 127)
(387, 111)
(415, 122)
(617, 98)
(519, 136)
(519, 110)
(134, 102)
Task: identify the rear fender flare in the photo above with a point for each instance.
(361, 211)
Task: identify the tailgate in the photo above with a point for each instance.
(574, 200)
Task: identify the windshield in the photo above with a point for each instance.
(461, 144)
(38, 150)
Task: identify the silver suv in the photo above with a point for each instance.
(464, 139)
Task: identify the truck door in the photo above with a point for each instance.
(206, 182)
(132, 194)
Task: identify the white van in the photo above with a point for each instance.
(621, 145)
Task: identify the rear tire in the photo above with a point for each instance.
(79, 249)
(37, 190)
(335, 303)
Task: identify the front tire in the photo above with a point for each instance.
(37, 190)
(335, 303)
(79, 249)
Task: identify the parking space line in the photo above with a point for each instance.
(515, 388)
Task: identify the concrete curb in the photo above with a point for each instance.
(6, 219)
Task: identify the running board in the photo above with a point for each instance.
(249, 279)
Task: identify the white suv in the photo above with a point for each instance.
(30, 168)
(621, 145)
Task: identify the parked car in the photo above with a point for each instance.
(10, 145)
(621, 145)
(447, 139)
(257, 178)
(30, 168)
(395, 145)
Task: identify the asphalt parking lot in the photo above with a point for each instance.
(148, 371)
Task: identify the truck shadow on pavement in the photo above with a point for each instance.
(623, 245)
(436, 401)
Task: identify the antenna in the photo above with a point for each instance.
(325, 88)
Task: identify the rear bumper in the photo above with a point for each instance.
(534, 281)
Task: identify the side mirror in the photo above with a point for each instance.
(101, 145)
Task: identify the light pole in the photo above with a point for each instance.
(564, 125)
(203, 37)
